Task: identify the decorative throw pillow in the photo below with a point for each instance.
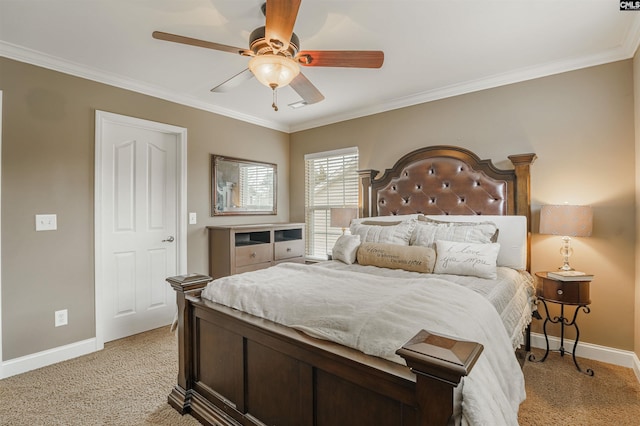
(486, 226)
(513, 232)
(457, 258)
(391, 234)
(346, 248)
(409, 258)
(428, 231)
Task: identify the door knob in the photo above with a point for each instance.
(169, 239)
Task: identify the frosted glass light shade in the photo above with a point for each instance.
(274, 70)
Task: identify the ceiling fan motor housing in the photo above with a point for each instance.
(260, 46)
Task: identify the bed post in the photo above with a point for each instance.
(367, 207)
(522, 164)
(439, 363)
(185, 285)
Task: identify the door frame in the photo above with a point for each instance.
(103, 118)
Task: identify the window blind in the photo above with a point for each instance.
(256, 189)
(331, 180)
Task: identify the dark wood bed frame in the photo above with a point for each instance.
(237, 369)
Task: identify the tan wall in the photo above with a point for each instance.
(48, 167)
(580, 124)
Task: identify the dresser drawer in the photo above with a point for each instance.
(252, 254)
(288, 249)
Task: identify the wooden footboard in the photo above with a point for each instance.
(238, 369)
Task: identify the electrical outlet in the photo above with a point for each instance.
(61, 317)
(46, 222)
(193, 218)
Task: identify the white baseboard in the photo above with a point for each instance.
(590, 351)
(52, 356)
(42, 359)
(636, 366)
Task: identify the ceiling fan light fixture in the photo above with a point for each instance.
(274, 70)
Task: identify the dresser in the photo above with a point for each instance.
(241, 248)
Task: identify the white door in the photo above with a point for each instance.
(138, 227)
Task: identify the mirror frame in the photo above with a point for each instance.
(216, 177)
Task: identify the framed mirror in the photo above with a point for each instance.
(242, 186)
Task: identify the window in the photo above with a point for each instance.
(331, 180)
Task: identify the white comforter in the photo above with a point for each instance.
(377, 316)
(512, 293)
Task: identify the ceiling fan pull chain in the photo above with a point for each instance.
(274, 105)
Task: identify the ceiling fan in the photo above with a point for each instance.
(275, 55)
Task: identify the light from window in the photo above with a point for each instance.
(256, 187)
(331, 180)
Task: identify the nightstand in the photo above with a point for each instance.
(575, 293)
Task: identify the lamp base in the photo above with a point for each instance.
(566, 252)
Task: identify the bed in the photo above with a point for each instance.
(244, 363)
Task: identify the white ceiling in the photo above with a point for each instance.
(433, 48)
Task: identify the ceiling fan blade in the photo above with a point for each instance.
(307, 91)
(341, 58)
(196, 42)
(281, 16)
(234, 81)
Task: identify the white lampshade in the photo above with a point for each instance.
(566, 220)
(341, 216)
(274, 70)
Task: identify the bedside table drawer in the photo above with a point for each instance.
(568, 292)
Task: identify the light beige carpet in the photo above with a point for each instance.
(559, 395)
(128, 383)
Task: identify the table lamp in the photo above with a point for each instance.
(568, 221)
(341, 217)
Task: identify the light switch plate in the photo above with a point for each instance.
(193, 218)
(46, 222)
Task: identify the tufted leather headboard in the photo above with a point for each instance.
(447, 180)
(443, 186)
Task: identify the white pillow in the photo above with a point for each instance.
(456, 258)
(427, 233)
(389, 234)
(512, 236)
(346, 248)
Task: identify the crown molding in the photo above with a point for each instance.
(625, 50)
(44, 60)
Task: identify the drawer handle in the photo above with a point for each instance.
(288, 249)
(560, 292)
(254, 254)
